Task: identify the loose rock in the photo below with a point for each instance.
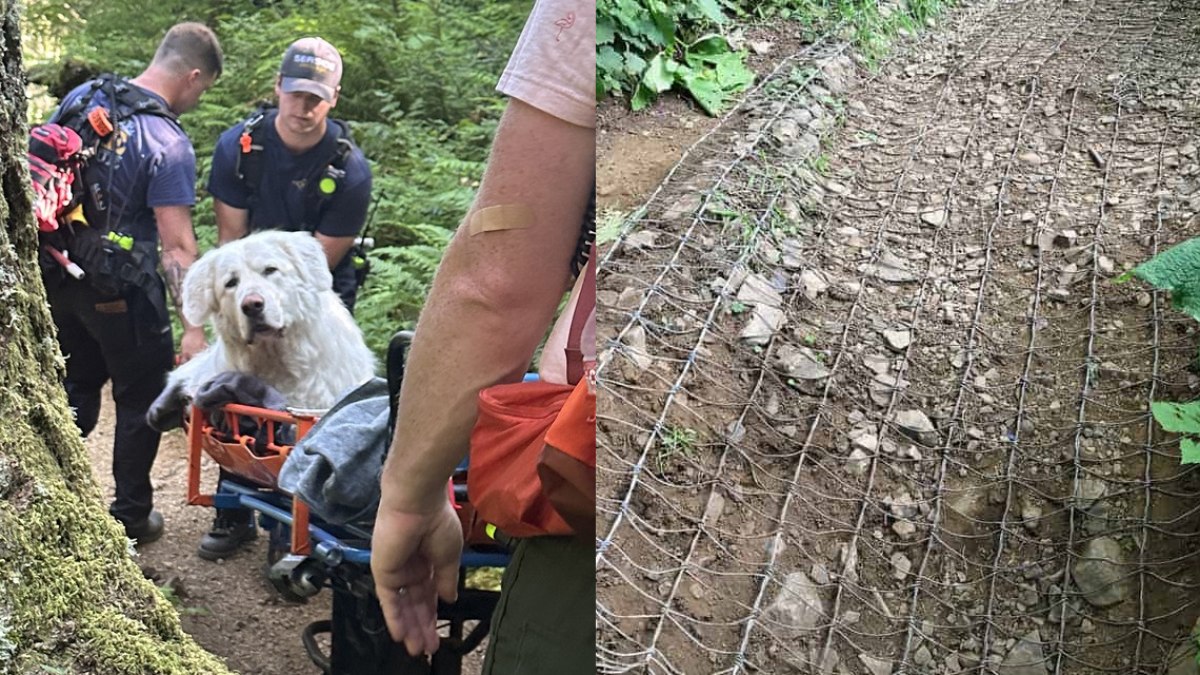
(904, 529)
(876, 666)
(799, 363)
(799, 606)
(897, 340)
(877, 363)
(635, 347)
(934, 218)
(642, 239)
(858, 462)
(715, 508)
(1025, 658)
(764, 322)
(892, 269)
(1099, 573)
(916, 425)
(813, 284)
(757, 290)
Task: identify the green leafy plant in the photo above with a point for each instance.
(1196, 640)
(1184, 419)
(711, 72)
(647, 47)
(608, 225)
(1177, 270)
(674, 442)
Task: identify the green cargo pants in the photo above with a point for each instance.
(545, 621)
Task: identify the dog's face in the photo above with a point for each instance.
(255, 287)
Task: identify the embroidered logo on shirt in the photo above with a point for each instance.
(300, 183)
(564, 24)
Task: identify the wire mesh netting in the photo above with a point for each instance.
(871, 399)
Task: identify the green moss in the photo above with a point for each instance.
(71, 585)
(72, 600)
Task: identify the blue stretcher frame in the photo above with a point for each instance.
(330, 548)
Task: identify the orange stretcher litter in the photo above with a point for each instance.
(306, 554)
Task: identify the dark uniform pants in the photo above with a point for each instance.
(122, 339)
(545, 622)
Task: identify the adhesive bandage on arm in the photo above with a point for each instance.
(501, 217)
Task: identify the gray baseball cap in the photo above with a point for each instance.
(311, 65)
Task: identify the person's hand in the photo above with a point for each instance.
(415, 559)
(193, 343)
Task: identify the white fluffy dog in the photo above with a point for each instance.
(270, 298)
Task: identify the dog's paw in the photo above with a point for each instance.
(166, 413)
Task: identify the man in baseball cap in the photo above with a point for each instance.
(311, 65)
(291, 167)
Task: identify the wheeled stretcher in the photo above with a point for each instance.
(306, 554)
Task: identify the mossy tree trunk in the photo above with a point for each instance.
(72, 600)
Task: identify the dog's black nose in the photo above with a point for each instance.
(252, 306)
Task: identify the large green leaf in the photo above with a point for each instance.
(708, 45)
(641, 98)
(732, 73)
(1189, 451)
(634, 64)
(705, 90)
(1176, 269)
(660, 74)
(605, 32)
(608, 60)
(1179, 418)
(711, 10)
(664, 19)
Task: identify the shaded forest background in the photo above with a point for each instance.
(418, 91)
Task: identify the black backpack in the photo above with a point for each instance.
(96, 126)
(318, 189)
(98, 253)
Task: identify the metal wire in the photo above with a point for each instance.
(722, 476)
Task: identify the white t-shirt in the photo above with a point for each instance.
(553, 69)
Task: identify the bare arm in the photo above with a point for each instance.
(178, 253)
(232, 223)
(494, 284)
(336, 248)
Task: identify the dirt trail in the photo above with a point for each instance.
(228, 607)
(872, 400)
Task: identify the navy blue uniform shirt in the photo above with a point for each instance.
(282, 197)
(157, 168)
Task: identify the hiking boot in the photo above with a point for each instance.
(231, 528)
(146, 530)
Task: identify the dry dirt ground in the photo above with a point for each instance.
(634, 151)
(228, 607)
(872, 399)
